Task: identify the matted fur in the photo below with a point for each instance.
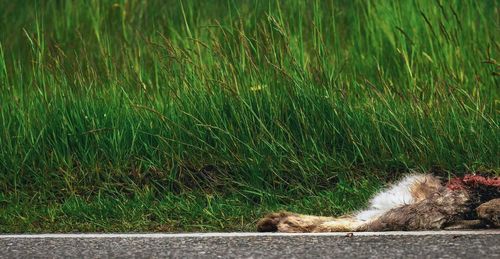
(417, 202)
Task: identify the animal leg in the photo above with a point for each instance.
(465, 224)
(290, 222)
(342, 224)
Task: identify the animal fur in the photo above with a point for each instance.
(417, 202)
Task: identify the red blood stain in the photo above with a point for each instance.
(471, 180)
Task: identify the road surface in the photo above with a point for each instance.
(450, 244)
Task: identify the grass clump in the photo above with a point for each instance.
(201, 115)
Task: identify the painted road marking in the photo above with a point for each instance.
(247, 234)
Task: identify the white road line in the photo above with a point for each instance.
(247, 234)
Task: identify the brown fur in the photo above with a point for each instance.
(290, 222)
(490, 212)
(435, 206)
(435, 212)
(426, 188)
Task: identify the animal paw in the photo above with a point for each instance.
(271, 221)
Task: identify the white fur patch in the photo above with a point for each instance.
(397, 195)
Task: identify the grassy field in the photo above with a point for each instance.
(203, 115)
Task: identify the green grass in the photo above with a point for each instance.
(203, 115)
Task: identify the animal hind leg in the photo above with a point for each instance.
(290, 222)
(298, 223)
(342, 224)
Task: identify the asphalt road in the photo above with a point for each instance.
(458, 244)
